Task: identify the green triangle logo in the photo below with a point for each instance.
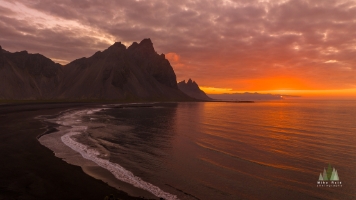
(329, 174)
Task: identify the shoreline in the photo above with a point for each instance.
(30, 170)
(64, 147)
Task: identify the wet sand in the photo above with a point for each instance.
(29, 170)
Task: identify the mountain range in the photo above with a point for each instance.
(129, 73)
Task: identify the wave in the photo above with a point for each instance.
(71, 121)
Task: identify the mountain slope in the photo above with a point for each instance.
(117, 73)
(192, 89)
(28, 76)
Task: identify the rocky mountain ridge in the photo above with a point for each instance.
(117, 73)
(192, 89)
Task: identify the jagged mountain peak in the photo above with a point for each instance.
(146, 41)
(121, 73)
(190, 83)
(133, 45)
(116, 47)
(192, 89)
(145, 46)
(117, 73)
(118, 44)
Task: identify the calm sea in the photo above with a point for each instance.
(218, 150)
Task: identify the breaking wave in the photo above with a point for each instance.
(72, 128)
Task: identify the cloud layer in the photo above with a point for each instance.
(243, 45)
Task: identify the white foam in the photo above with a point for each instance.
(70, 120)
(118, 171)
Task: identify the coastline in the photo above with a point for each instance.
(60, 141)
(29, 170)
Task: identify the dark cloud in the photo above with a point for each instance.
(219, 43)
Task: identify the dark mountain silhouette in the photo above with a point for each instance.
(192, 89)
(117, 73)
(28, 76)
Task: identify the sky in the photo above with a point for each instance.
(295, 47)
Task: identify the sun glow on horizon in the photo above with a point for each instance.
(341, 93)
(214, 90)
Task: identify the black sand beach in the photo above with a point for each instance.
(29, 170)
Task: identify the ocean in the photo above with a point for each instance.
(214, 150)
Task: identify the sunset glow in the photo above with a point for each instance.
(330, 94)
(305, 48)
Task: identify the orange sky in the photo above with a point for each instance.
(284, 85)
(310, 94)
(310, 83)
(292, 47)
